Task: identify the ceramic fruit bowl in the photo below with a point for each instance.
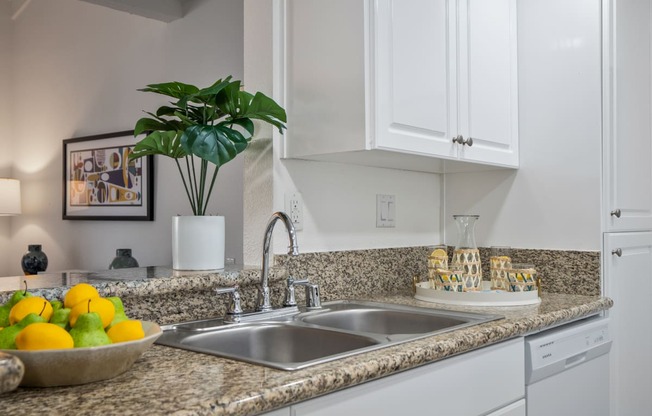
(67, 367)
(11, 372)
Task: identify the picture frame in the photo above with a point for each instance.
(98, 185)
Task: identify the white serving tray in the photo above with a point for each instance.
(486, 297)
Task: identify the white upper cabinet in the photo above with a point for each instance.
(488, 81)
(392, 82)
(627, 166)
(416, 94)
(447, 69)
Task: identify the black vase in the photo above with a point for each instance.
(34, 260)
(123, 259)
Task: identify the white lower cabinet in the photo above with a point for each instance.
(628, 281)
(489, 381)
(280, 412)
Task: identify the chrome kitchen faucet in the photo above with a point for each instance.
(264, 304)
(234, 312)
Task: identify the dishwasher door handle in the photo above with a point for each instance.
(575, 360)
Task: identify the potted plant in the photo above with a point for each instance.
(202, 129)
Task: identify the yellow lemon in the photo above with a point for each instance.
(79, 293)
(126, 331)
(43, 336)
(439, 252)
(102, 306)
(24, 307)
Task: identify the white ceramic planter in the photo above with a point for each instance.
(197, 242)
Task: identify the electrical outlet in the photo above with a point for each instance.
(294, 208)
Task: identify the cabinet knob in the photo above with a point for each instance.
(617, 252)
(615, 213)
(461, 140)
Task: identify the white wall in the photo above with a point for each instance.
(5, 121)
(339, 202)
(77, 68)
(553, 200)
(258, 184)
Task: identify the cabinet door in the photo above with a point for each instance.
(488, 81)
(627, 130)
(470, 384)
(414, 88)
(628, 281)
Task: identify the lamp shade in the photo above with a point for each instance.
(9, 196)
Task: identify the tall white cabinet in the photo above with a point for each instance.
(628, 116)
(627, 200)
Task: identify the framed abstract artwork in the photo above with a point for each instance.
(101, 183)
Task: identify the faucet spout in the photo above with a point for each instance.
(264, 304)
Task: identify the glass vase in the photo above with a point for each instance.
(34, 260)
(123, 259)
(466, 253)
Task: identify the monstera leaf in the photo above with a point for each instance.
(264, 108)
(166, 143)
(217, 144)
(172, 89)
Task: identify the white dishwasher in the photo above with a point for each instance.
(567, 370)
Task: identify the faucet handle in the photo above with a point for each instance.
(289, 291)
(313, 300)
(234, 310)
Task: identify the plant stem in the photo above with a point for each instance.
(192, 187)
(202, 186)
(194, 177)
(183, 179)
(210, 188)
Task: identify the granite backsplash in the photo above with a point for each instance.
(166, 296)
(391, 270)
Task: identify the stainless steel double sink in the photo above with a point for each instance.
(295, 338)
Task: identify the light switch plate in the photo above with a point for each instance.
(385, 211)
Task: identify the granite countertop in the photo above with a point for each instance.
(172, 381)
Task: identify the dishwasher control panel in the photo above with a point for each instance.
(558, 349)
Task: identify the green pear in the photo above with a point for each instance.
(4, 309)
(4, 316)
(8, 335)
(119, 311)
(61, 317)
(56, 305)
(88, 331)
